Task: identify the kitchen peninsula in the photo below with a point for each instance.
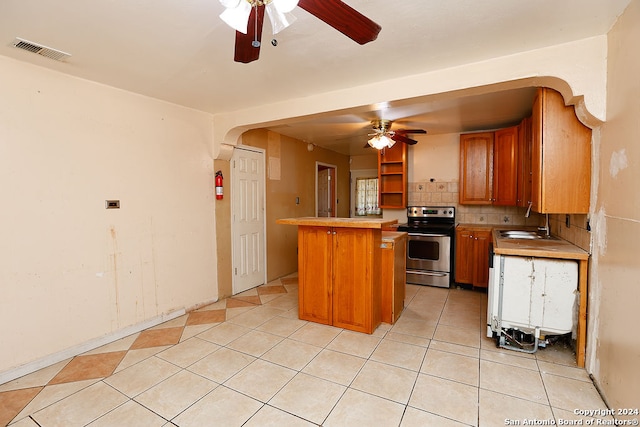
(339, 276)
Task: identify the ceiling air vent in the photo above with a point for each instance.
(48, 52)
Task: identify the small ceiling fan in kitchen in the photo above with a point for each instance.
(247, 16)
(383, 136)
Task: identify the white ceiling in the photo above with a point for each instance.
(181, 52)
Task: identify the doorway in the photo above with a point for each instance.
(248, 224)
(326, 178)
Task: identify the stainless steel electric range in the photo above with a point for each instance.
(430, 246)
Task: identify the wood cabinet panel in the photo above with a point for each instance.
(464, 251)
(393, 275)
(481, 241)
(315, 257)
(476, 168)
(472, 255)
(524, 163)
(561, 157)
(356, 286)
(339, 276)
(505, 167)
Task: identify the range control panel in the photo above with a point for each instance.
(431, 212)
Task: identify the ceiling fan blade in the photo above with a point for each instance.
(343, 18)
(408, 131)
(398, 137)
(245, 50)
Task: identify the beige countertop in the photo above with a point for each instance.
(543, 248)
(393, 236)
(338, 222)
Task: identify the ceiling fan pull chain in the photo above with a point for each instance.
(255, 42)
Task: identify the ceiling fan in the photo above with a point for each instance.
(247, 16)
(384, 137)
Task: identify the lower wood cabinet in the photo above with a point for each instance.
(472, 255)
(394, 277)
(339, 277)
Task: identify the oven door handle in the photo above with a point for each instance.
(428, 235)
(428, 273)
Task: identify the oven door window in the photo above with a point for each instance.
(429, 252)
(424, 250)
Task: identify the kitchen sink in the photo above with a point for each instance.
(523, 234)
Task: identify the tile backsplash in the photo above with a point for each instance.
(445, 193)
(575, 229)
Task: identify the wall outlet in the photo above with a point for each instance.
(112, 204)
(567, 220)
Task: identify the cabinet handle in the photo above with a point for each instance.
(328, 231)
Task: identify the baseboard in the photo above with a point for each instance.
(52, 359)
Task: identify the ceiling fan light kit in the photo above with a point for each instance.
(236, 14)
(384, 137)
(246, 17)
(381, 141)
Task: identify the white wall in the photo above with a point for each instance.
(576, 69)
(614, 317)
(70, 270)
(435, 157)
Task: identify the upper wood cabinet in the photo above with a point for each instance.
(505, 167)
(561, 157)
(476, 168)
(392, 177)
(489, 167)
(524, 163)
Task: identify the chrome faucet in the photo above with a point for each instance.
(545, 229)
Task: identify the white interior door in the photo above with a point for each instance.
(323, 193)
(248, 221)
(325, 190)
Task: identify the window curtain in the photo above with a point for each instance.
(367, 197)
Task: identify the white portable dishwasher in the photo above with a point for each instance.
(532, 296)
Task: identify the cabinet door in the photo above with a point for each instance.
(524, 163)
(393, 275)
(536, 152)
(315, 273)
(464, 256)
(505, 167)
(561, 163)
(357, 292)
(481, 240)
(476, 168)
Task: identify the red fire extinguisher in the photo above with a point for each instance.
(219, 192)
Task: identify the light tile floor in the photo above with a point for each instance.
(249, 361)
